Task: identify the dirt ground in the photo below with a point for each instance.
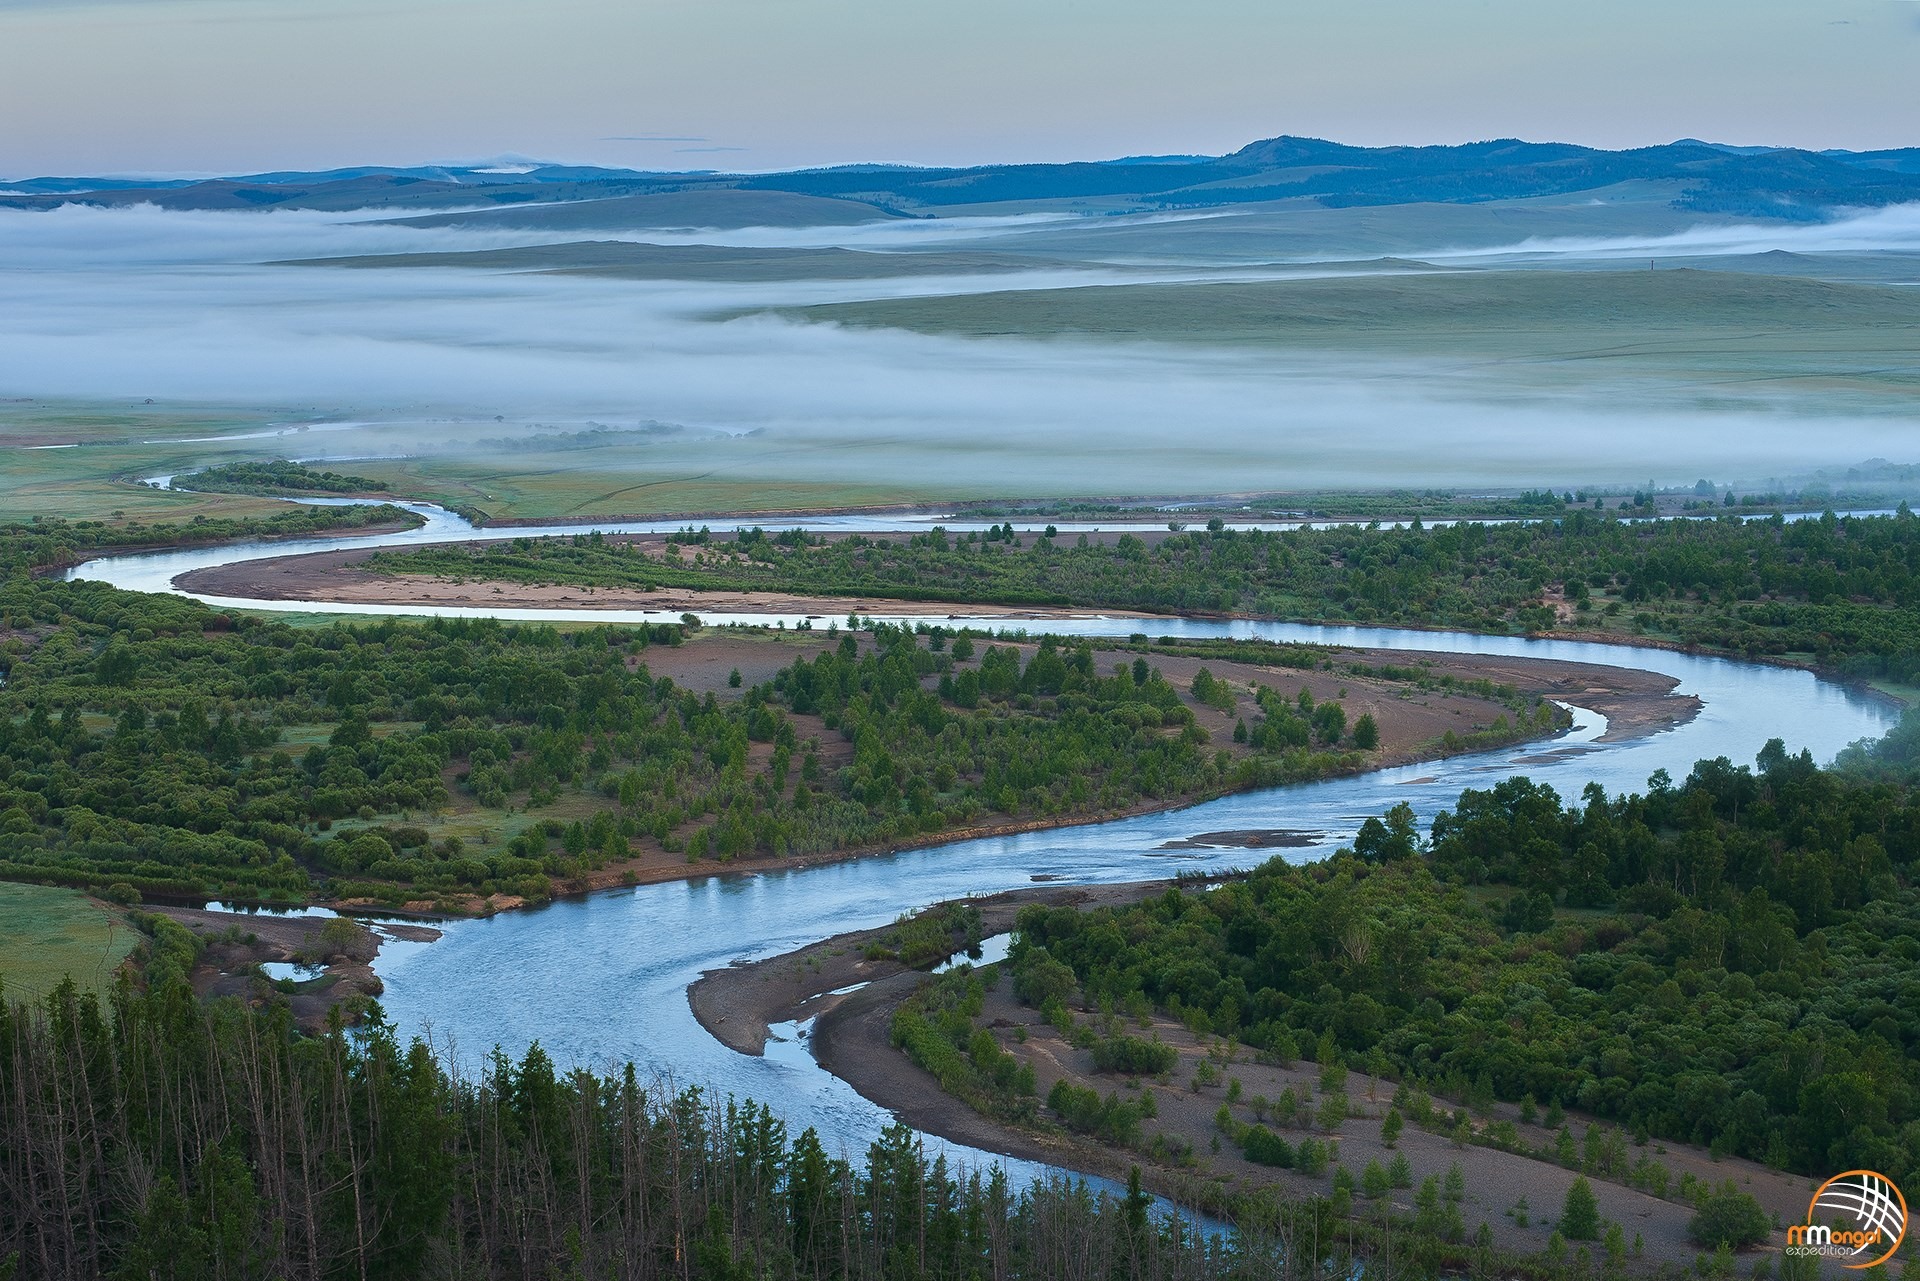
(342, 576)
(1499, 1185)
(236, 942)
(1635, 702)
(850, 1037)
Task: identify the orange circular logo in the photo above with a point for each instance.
(1874, 1204)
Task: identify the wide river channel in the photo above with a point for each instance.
(601, 981)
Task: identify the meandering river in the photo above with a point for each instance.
(602, 980)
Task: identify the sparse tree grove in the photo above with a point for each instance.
(1840, 589)
(144, 743)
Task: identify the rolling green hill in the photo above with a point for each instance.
(1781, 183)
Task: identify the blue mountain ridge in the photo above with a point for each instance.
(1710, 177)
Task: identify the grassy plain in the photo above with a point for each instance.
(721, 207)
(626, 478)
(47, 934)
(103, 450)
(1721, 331)
(489, 471)
(575, 472)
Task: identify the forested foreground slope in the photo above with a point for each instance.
(160, 1138)
(1728, 961)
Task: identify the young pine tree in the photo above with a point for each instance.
(1580, 1213)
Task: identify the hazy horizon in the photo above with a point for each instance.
(235, 86)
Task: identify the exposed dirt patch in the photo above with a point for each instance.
(1635, 702)
(709, 658)
(343, 577)
(737, 1004)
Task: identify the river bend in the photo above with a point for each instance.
(602, 980)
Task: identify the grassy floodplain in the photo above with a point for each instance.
(85, 461)
(625, 260)
(585, 470)
(48, 934)
(575, 470)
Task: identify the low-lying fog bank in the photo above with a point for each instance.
(137, 303)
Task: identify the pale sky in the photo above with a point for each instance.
(170, 86)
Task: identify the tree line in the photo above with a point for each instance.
(280, 476)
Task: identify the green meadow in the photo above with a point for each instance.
(47, 934)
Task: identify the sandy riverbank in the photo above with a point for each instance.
(342, 577)
(1635, 702)
(851, 1029)
(737, 1004)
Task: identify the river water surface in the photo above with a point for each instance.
(601, 981)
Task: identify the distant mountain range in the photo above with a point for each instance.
(1780, 183)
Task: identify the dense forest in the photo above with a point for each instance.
(160, 1138)
(1728, 961)
(1394, 504)
(1844, 590)
(150, 745)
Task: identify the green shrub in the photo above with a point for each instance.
(1729, 1217)
(1263, 1147)
(1133, 1056)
